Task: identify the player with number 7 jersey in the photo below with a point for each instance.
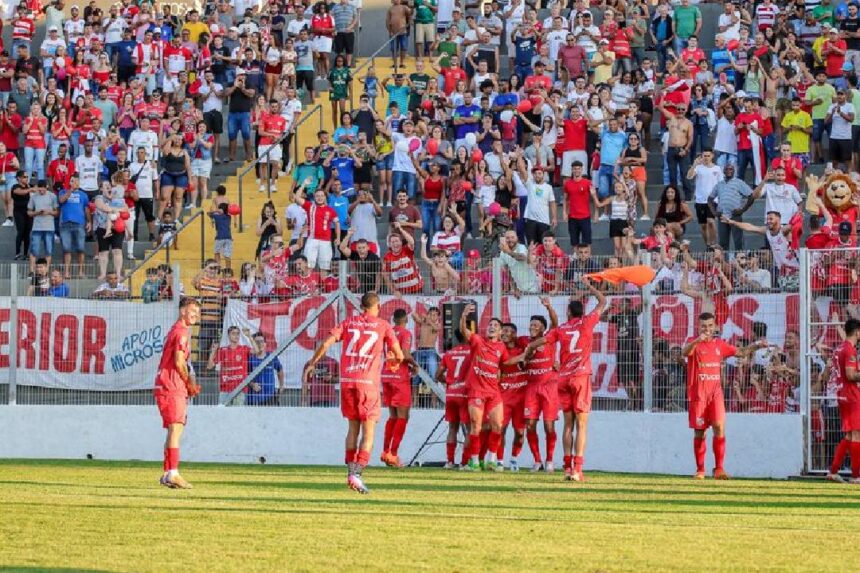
(364, 338)
(575, 339)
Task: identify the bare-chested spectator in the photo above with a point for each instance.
(680, 131)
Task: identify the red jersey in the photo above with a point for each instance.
(513, 379)
(35, 135)
(400, 374)
(578, 198)
(234, 366)
(746, 119)
(177, 59)
(779, 391)
(61, 170)
(576, 337)
(321, 220)
(540, 367)
(485, 367)
(361, 353)
(452, 76)
(322, 25)
(167, 378)
(574, 134)
(551, 266)
(789, 165)
(405, 275)
(272, 123)
(298, 285)
(846, 357)
(456, 362)
(23, 29)
(704, 366)
(541, 81)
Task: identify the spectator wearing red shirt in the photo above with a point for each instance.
(573, 59)
(61, 169)
(539, 79)
(833, 50)
(691, 55)
(303, 282)
(321, 219)
(551, 263)
(320, 389)
(793, 165)
(747, 121)
(576, 201)
(399, 270)
(233, 362)
(574, 147)
(452, 74)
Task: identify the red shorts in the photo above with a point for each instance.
(360, 402)
(457, 411)
(849, 413)
(707, 409)
(487, 400)
(396, 394)
(514, 415)
(574, 393)
(542, 402)
(173, 408)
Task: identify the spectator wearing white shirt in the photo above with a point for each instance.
(540, 213)
(213, 105)
(519, 262)
(729, 23)
(144, 137)
(707, 174)
(779, 196)
(144, 175)
(841, 114)
(750, 274)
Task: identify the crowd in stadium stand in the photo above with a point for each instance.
(515, 136)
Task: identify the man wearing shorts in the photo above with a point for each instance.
(397, 393)
(345, 22)
(364, 336)
(705, 354)
(575, 339)
(848, 398)
(512, 381)
(174, 384)
(212, 110)
(425, 26)
(144, 176)
(74, 223)
(541, 400)
(840, 115)
(271, 128)
(42, 208)
(707, 174)
(321, 219)
(452, 372)
(482, 381)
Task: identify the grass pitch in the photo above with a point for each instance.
(101, 516)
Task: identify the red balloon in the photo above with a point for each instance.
(124, 215)
(414, 144)
(477, 155)
(92, 207)
(233, 209)
(524, 106)
(432, 146)
(427, 104)
(119, 226)
(733, 45)
(535, 100)
(191, 186)
(467, 185)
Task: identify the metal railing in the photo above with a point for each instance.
(369, 61)
(166, 246)
(293, 130)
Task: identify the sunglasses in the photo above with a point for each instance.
(213, 268)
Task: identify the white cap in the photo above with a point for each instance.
(53, 29)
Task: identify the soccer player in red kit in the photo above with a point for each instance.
(513, 382)
(174, 384)
(541, 400)
(575, 339)
(482, 381)
(848, 398)
(705, 355)
(452, 372)
(397, 393)
(364, 338)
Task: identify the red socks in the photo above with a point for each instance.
(475, 444)
(577, 463)
(534, 445)
(567, 461)
(362, 458)
(349, 457)
(550, 446)
(173, 458)
(517, 447)
(397, 434)
(500, 451)
(389, 431)
(719, 451)
(450, 450)
(854, 448)
(166, 464)
(839, 456)
(467, 450)
(495, 438)
(700, 448)
(485, 445)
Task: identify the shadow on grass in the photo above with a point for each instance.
(29, 569)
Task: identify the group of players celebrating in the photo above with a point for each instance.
(495, 380)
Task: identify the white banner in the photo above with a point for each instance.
(85, 344)
(674, 320)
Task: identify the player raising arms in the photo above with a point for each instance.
(705, 355)
(575, 339)
(360, 367)
(848, 397)
(397, 393)
(452, 372)
(482, 381)
(512, 382)
(541, 398)
(174, 384)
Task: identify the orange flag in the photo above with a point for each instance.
(640, 275)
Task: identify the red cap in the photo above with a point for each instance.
(474, 254)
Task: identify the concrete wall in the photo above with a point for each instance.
(758, 445)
